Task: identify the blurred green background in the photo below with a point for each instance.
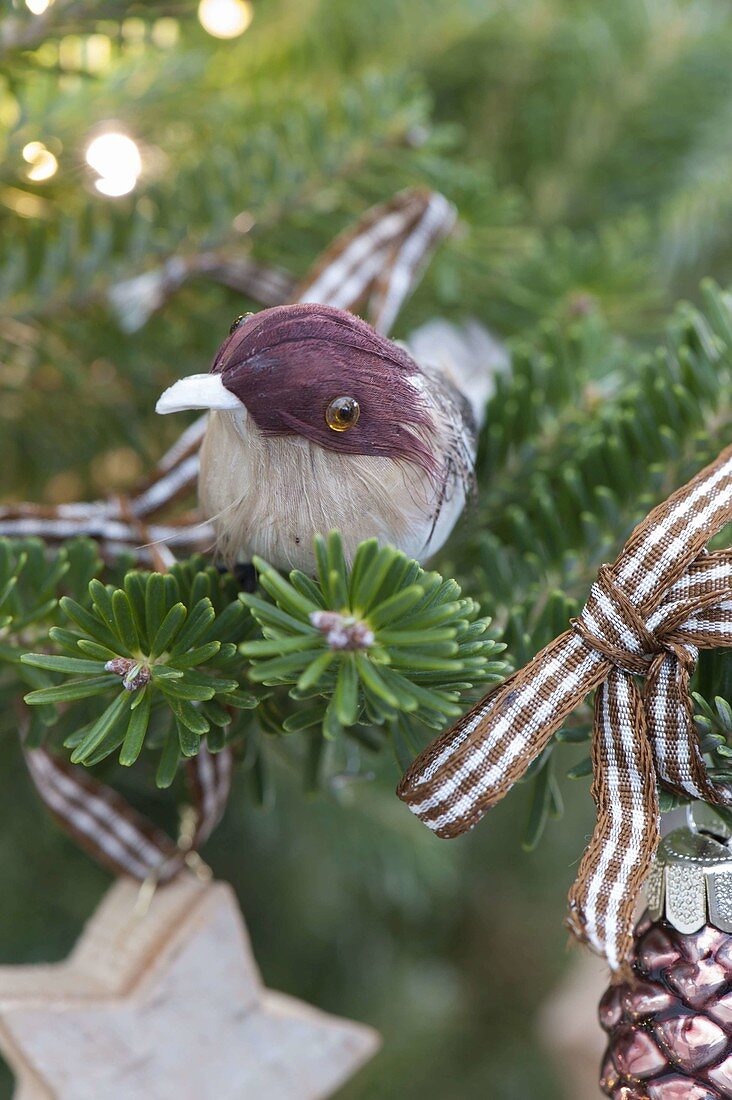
(588, 148)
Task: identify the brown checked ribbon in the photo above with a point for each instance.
(648, 614)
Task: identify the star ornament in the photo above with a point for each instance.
(168, 1005)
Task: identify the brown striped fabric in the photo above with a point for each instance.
(647, 615)
(613, 868)
(378, 262)
(106, 826)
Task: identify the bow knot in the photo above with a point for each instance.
(647, 615)
(614, 627)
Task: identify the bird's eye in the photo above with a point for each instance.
(342, 413)
(238, 322)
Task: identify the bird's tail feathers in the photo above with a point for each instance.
(467, 354)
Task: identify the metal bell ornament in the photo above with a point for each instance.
(669, 1019)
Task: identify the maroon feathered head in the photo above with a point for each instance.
(320, 373)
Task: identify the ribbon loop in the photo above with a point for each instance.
(647, 614)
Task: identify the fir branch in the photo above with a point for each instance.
(568, 463)
(157, 648)
(370, 644)
(135, 659)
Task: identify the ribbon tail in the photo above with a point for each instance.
(618, 858)
(673, 735)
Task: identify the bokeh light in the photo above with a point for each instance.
(41, 162)
(38, 6)
(225, 18)
(115, 186)
(116, 159)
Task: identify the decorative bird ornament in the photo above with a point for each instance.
(317, 421)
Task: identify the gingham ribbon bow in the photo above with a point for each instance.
(647, 616)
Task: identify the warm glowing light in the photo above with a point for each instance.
(114, 154)
(225, 18)
(41, 161)
(165, 33)
(117, 161)
(114, 186)
(23, 203)
(31, 150)
(38, 6)
(98, 53)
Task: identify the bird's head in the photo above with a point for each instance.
(321, 374)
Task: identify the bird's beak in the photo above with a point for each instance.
(198, 391)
